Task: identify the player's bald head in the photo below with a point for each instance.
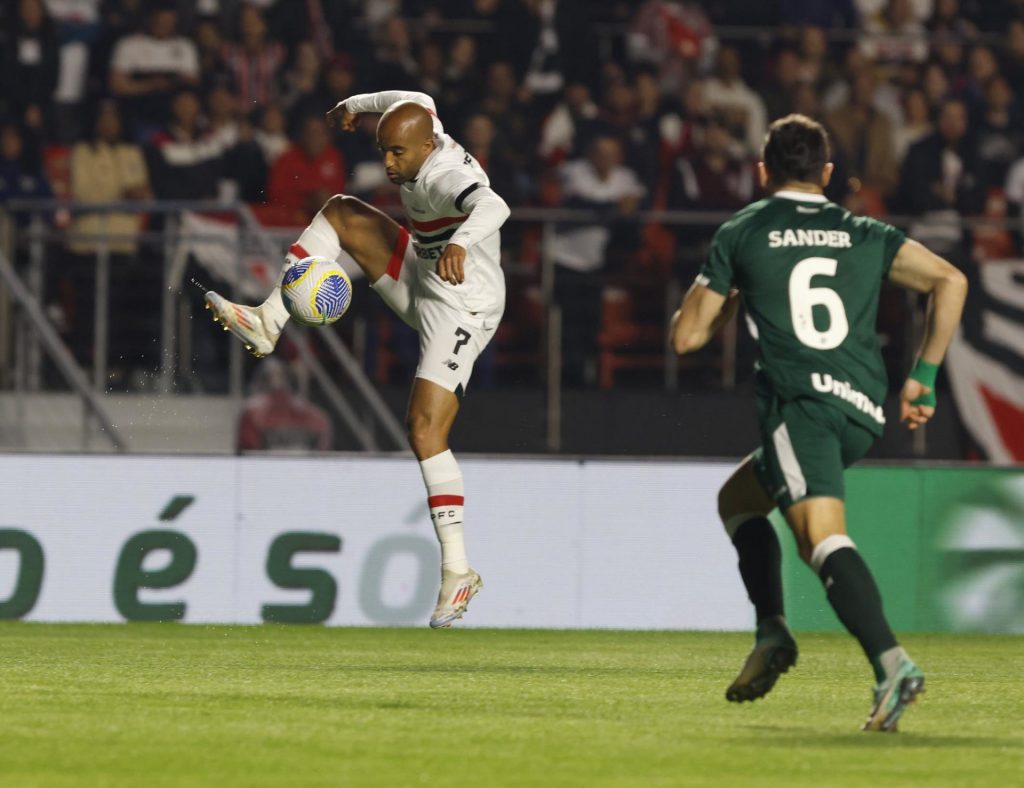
(406, 122)
(405, 136)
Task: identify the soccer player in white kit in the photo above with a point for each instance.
(444, 279)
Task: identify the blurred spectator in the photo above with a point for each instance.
(210, 49)
(574, 115)
(939, 180)
(302, 81)
(982, 68)
(148, 68)
(185, 161)
(559, 45)
(462, 84)
(782, 84)
(742, 109)
(946, 18)
(997, 134)
(108, 169)
(21, 176)
(916, 123)
(712, 177)
(887, 97)
(78, 27)
(244, 175)
(503, 102)
(894, 35)
(502, 168)
(306, 174)
(819, 13)
(337, 83)
(599, 183)
(275, 418)
(619, 118)
(865, 137)
(815, 66)
(255, 61)
(431, 71)
(1012, 65)
(936, 87)
(395, 67)
(271, 135)
(676, 37)
(29, 56)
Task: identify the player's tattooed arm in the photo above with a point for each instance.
(451, 266)
(701, 314)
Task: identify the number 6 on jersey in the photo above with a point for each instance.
(803, 298)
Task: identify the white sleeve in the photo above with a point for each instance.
(487, 213)
(379, 102)
(459, 191)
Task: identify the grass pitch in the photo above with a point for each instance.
(155, 705)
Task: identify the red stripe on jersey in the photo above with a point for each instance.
(445, 500)
(437, 224)
(298, 251)
(398, 255)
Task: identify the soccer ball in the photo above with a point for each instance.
(316, 291)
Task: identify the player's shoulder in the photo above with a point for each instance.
(743, 219)
(866, 225)
(450, 168)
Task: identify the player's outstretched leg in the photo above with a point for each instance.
(742, 505)
(820, 528)
(368, 235)
(432, 410)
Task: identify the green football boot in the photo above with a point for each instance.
(893, 696)
(774, 653)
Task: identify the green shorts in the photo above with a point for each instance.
(805, 445)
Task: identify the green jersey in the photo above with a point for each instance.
(809, 273)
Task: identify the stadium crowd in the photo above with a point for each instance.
(609, 105)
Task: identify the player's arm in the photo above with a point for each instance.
(487, 213)
(916, 268)
(701, 314)
(345, 114)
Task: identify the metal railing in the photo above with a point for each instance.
(361, 408)
(271, 245)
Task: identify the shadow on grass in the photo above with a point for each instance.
(797, 737)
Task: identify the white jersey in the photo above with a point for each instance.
(450, 201)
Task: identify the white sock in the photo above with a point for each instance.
(891, 659)
(319, 240)
(445, 498)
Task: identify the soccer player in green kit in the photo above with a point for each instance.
(809, 274)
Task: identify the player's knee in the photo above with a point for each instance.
(345, 213)
(423, 434)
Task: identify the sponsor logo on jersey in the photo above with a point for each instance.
(835, 238)
(826, 384)
(452, 365)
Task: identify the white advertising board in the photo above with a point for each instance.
(347, 541)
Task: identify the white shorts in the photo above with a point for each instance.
(451, 338)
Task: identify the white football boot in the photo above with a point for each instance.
(453, 598)
(246, 323)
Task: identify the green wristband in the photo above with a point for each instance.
(924, 373)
